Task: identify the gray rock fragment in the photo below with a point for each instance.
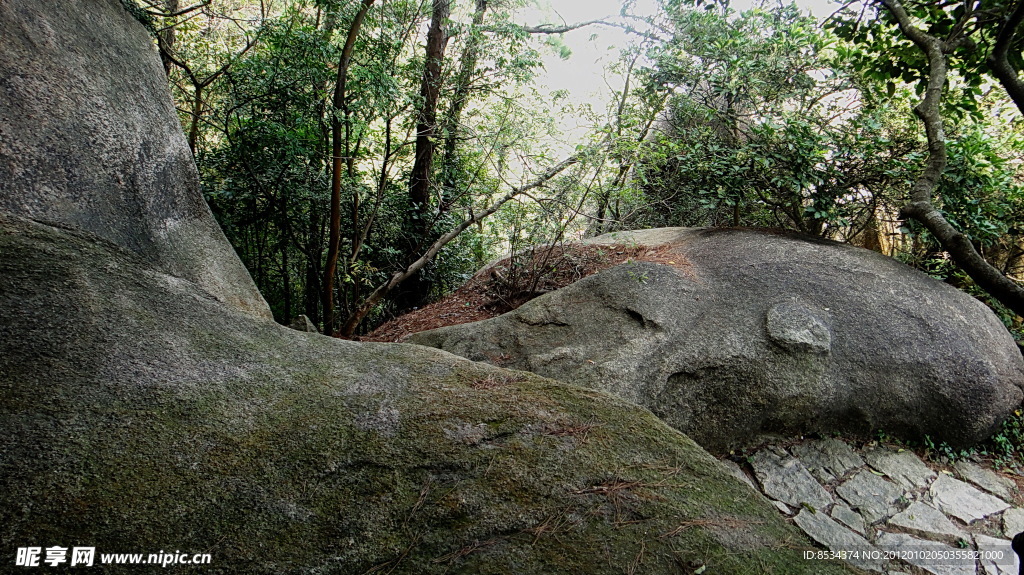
(303, 323)
(874, 497)
(787, 480)
(922, 554)
(1013, 522)
(828, 459)
(797, 328)
(782, 507)
(734, 469)
(903, 467)
(986, 479)
(996, 556)
(837, 538)
(956, 498)
(924, 520)
(848, 517)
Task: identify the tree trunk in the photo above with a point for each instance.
(418, 222)
(285, 268)
(920, 208)
(460, 97)
(167, 38)
(340, 107)
(426, 124)
(315, 252)
(397, 278)
(197, 112)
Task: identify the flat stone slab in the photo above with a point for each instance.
(828, 459)
(903, 467)
(921, 554)
(871, 495)
(924, 520)
(966, 503)
(848, 517)
(835, 537)
(1013, 522)
(787, 480)
(986, 479)
(782, 507)
(736, 471)
(996, 556)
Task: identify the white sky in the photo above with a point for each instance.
(594, 47)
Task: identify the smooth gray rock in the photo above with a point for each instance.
(787, 480)
(907, 545)
(734, 469)
(782, 507)
(997, 557)
(90, 140)
(1013, 522)
(303, 323)
(966, 503)
(849, 518)
(872, 496)
(903, 467)
(924, 520)
(758, 331)
(840, 539)
(986, 479)
(828, 459)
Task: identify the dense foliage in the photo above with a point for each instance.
(260, 93)
(761, 118)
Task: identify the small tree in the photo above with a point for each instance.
(944, 46)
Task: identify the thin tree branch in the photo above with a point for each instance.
(553, 29)
(162, 14)
(339, 107)
(398, 277)
(999, 60)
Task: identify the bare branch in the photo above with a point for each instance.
(553, 29)
(398, 277)
(562, 29)
(162, 14)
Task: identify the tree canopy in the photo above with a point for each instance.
(366, 157)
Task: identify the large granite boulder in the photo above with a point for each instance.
(90, 139)
(749, 332)
(138, 414)
(145, 410)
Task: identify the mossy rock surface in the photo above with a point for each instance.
(138, 414)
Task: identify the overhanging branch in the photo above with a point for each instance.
(999, 61)
(553, 29)
(920, 208)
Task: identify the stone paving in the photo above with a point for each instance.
(887, 511)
